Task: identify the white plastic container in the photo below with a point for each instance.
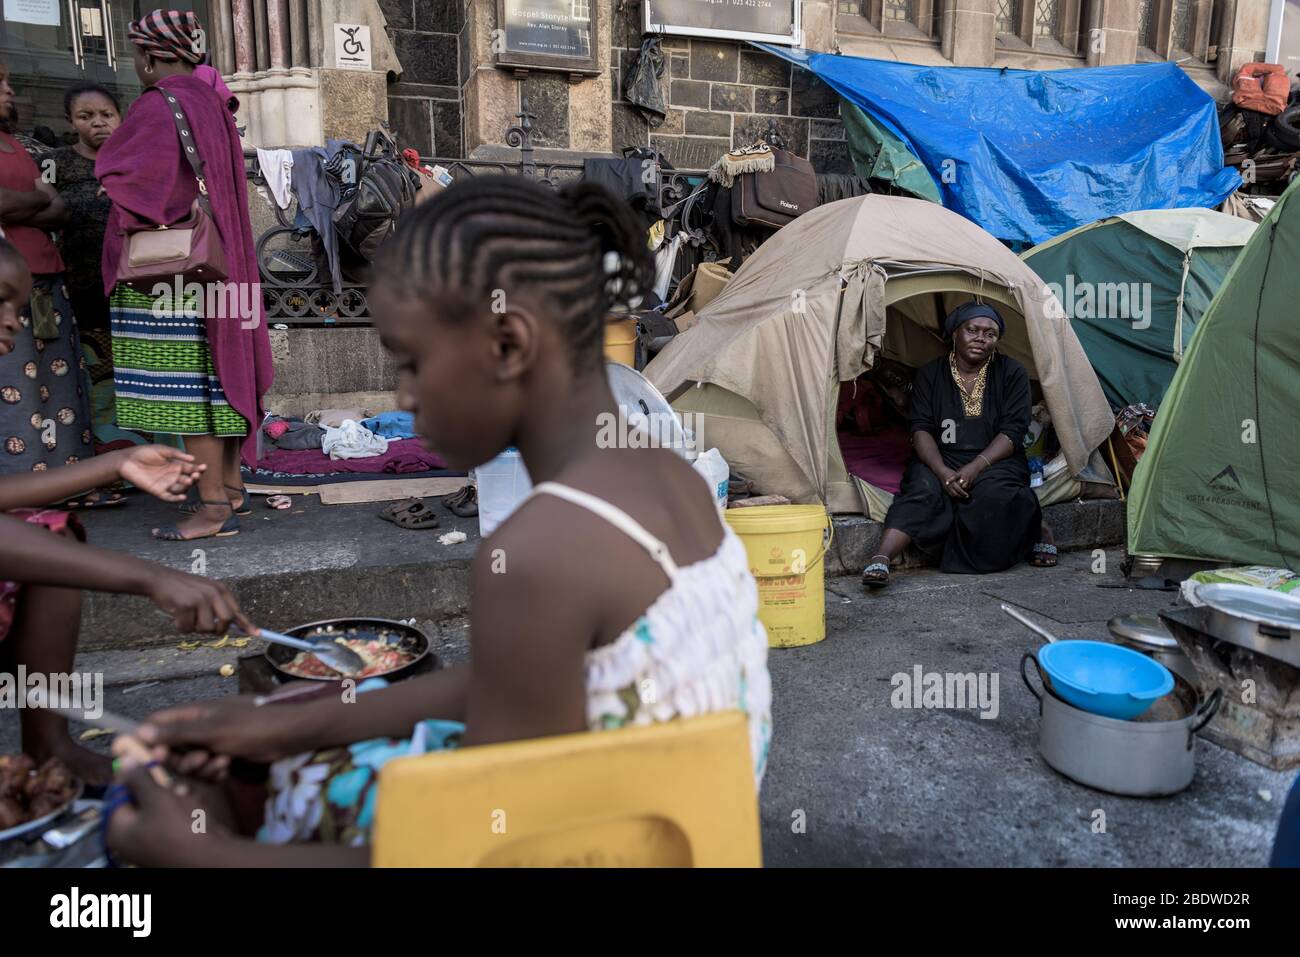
(502, 484)
(714, 470)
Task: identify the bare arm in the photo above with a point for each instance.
(385, 713)
(17, 208)
(55, 214)
(34, 489)
(32, 555)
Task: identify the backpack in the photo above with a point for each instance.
(385, 189)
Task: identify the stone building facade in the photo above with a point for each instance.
(434, 79)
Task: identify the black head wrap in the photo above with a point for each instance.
(968, 311)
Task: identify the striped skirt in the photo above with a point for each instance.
(162, 369)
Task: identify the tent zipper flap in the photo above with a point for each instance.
(1178, 310)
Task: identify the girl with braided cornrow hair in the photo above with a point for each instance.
(614, 595)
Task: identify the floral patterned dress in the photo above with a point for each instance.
(698, 649)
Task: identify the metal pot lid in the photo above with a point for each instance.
(1261, 605)
(635, 393)
(1146, 632)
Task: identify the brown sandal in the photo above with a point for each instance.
(411, 513)
(463, 503)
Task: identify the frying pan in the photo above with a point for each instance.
(410, 639)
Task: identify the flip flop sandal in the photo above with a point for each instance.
(171, 533)
(1044, 556)
(880, 571)
(415, 516)
(278, 502)
(191, 503)
(463, 503)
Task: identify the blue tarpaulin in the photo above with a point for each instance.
(1031, 154)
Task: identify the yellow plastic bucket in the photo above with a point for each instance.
(620, 341)
(786, 545)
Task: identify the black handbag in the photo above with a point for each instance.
(385, 189)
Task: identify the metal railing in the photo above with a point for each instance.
(297, 288)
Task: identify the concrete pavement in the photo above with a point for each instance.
(854, 781)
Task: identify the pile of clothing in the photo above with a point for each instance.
(339, 433)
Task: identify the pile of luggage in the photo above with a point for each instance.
(1260, 128)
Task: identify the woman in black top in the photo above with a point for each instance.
(965, 499)
(94, 115)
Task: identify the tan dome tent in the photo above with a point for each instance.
(759, 372)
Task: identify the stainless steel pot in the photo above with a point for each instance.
(1152, 757)
(1148, 634)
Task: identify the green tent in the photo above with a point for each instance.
(1218, 480)
(878, 154)
(1135, 286)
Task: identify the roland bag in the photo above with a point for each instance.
(773, 199)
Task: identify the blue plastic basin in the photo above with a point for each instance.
(1105, 679)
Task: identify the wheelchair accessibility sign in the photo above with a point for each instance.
(351, 46)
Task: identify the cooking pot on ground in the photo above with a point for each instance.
(1153, 756)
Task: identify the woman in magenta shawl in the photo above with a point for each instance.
(184, 366)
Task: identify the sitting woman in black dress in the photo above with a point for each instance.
(965, 499)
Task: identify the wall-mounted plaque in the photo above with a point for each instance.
(555, 35)
(770, 21)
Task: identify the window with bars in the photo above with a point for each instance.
(1008, 17)
(1047, 18)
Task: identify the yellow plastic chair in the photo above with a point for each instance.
(677, 794)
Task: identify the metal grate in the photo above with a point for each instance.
(898, 10)
(1047, 18)
(1145, 39)
(1009, 17)
(1182, 23)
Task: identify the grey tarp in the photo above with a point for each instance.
(809, 309)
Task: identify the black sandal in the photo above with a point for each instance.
(171, 533)
(192, 502)
(876, 574)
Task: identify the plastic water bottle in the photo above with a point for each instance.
(1035, 472)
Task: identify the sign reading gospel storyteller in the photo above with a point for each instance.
(547, 35)
(776, 21)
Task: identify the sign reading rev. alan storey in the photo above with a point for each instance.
(773, 21)
(546, 34)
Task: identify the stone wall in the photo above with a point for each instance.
(722, 94)
(424, 106)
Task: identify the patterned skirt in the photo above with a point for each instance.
(162, 369)
(44, 408)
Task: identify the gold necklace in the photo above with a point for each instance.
(972, 400)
